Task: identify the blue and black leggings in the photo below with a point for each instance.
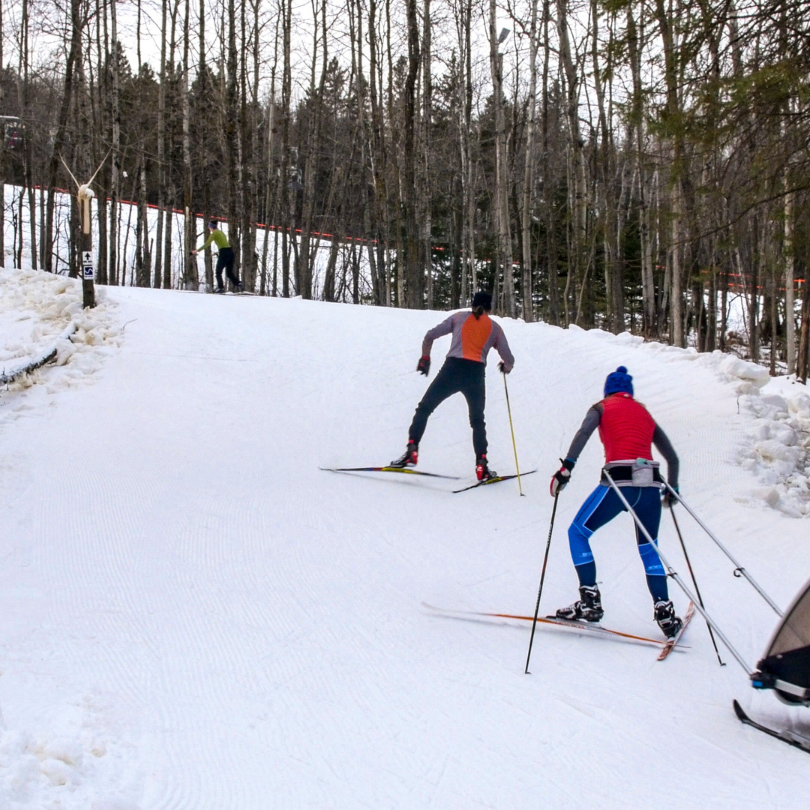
(602, 505)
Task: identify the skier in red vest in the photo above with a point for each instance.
(474, 334)
(627, 431)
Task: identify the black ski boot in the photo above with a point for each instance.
(588, 608)
(482, 471)
(409, 458)
(666, 618)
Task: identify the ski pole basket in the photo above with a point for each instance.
(785, 667)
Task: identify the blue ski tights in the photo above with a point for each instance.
(601, 507)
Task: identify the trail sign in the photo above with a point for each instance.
(87, 266)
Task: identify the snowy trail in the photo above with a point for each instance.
(238, 629)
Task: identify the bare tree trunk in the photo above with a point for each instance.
(190, 279)
(427, 114)
(286, 101)
(161, 149)
(528, 171)
(501, 173)
(233, 142)
(377, 155)
(614, 275)
(313, 149)
(74, 54)
(2, 157)
(28, 152)
(579, 224)
(665, 20)
(115, 158)
(414, 274)
(804, 337)
(269, 197)
(251, 262)
(790, 305)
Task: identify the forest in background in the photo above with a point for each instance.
(608, 163)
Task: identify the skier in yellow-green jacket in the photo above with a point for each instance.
(226, 256)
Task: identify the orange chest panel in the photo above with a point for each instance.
(474, 334)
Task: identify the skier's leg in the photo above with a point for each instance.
(445, 385)
(475, 392)
(220, 266)
(648, 508)
(229, 263)
(600, 508)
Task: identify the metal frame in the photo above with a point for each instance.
(739, 570)
(672, 573)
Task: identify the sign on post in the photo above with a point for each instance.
(87, 266)
(88, 274)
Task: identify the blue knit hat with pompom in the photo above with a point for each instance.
(619, 382)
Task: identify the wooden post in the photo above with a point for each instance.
(88, 273)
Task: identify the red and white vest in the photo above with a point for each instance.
(626, 428)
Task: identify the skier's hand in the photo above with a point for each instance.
(423, 366)
(668, 499)
(193, 252)
(561, 477)
(503, 368)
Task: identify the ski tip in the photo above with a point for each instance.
(738, 710)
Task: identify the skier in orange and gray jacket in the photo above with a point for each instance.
(474, 334)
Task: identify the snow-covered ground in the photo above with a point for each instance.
(195, 616)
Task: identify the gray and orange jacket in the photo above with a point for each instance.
(472, 338)
(627, 431)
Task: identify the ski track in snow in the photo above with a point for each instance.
(200, 618)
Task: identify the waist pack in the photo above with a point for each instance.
(640, 472)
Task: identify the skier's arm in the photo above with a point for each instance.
(502, 347)
(207, 242)
(444, 328)
(664, 446)
(588, 426)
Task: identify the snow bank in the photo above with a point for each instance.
(71, 765)
(66, 772)
(41, 316)
(748, 377)
(777, 445)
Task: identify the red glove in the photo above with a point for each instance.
(423, 365)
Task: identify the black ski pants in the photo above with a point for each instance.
(225, 262)
(455, 376)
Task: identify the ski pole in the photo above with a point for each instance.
(694, 582)
(542, 577)
(739, 570)
(514, 446)
(671, 572)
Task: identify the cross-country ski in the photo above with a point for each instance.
(552, 620)
(494, 480)
(401, 470)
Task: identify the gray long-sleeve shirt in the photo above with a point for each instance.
(660, 439)
(472, 338)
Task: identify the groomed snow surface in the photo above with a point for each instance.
(195, 616)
